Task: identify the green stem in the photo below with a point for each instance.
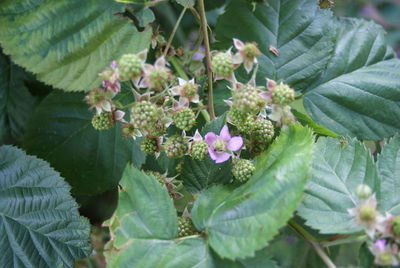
(171, 37)
(175, 62)
(347, 240)
(204, 29)
(313, 241)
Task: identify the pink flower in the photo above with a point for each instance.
(220, 147)
(186, 90)
(385, 254)
(247, 53)
(156, 76)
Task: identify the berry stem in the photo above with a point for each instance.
(204, 29)
(171, 37)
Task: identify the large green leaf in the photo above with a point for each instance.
(244, 220)
(358, 94)
(16, 102)
(339, 166)
(67, 43)
(92, 161)
(297, 28)
(39, 220)
(389, 173)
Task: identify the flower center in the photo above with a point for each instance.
(220, 145)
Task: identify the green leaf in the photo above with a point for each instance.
(389, 174)
(186, 253)
(307, 121)
(339, 166)
(67, 43)
(262, 259)
(299, 29)
(16, 102)
(145, 16)
(60, 131)
(358, 94)
(145, 204)
(186, 3)
(198, 175)
(215, 125)
(39, 220)
(244, 220)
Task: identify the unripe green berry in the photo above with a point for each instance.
(263, 130)
(149, 145)
(282, 94)
(246, 99)
(243, 169)
(103, 121)
(159, 78)
(199, 150)
(324, 4)
(184, 119)
(368, 213)
(130, 67)
(189, 90)
(222, 64)
(251, 50)
(157, 175)
(396, 225)
(363, 191)
(176, 146)
(144, 116)
(185, 227)
(128, 130)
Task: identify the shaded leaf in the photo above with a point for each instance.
(16, 102)
(60, 131)
(39, 220)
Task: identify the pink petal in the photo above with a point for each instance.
(160, 63)
(224, 134)
(181, 81)
(248, 66)
(142, 55)
(210, 138)
(197, 136)
(175, 90)
(212, 153)
(196, 99)
(235, 143)
(239, 45)
(222, 157)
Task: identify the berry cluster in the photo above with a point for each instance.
(185, 227)
(161, 101)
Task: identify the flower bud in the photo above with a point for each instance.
(149, 145)
(363, 191)
(368, 213)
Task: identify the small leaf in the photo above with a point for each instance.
(145, 209)
(389, 174)
(70, 42)
(214, 126)
(244, 220)
(198, 175)
(60, 131)
(339, 166)
(39, 220)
